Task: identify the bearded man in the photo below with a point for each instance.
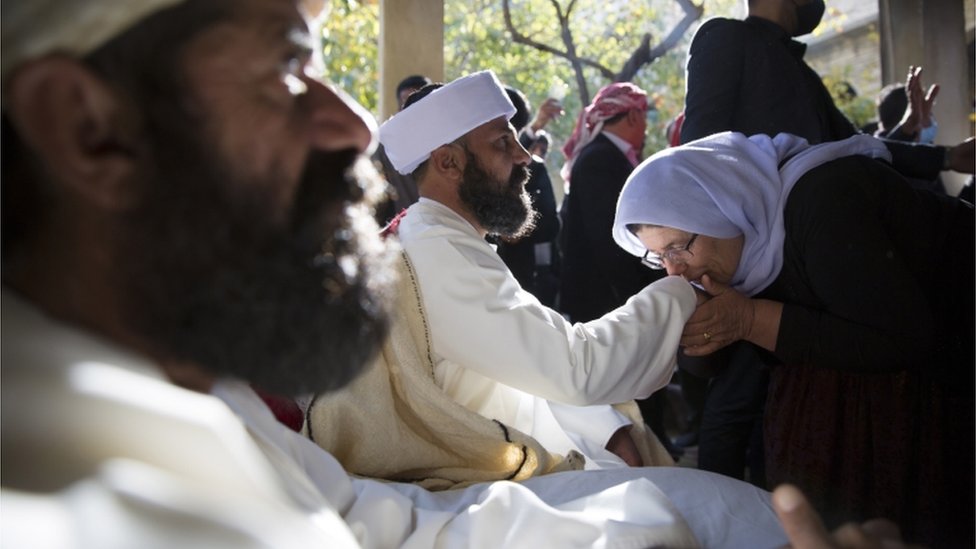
(181, 220)
(496, 349)
(606, 145)
(154, 250)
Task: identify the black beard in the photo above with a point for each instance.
(209, 279)
(503, 208)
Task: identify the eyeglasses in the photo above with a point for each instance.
(675, 256)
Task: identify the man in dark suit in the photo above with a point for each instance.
(598, 276)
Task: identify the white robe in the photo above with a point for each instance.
(99, 450)
(501, 353)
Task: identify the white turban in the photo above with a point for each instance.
(32, 28)
(444, 115)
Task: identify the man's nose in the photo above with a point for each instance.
(522, 156)
(337, 121)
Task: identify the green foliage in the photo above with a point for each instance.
(858, 108)
(350, 35)
(605, 31)
(475, 38)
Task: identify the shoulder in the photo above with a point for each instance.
(843, 187)
(600, 159)
(720, 32)
(600, 149)
(438, 242)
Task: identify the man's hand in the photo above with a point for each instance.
(805, 530)
(550, 108)
(622, 445)
(918, 112)
(962, 157)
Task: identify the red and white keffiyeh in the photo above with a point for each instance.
(610, 101)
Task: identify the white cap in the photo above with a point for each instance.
(444, 115)
(32, 28)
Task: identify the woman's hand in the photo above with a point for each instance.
(725, 318)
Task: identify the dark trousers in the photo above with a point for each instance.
(730, 437)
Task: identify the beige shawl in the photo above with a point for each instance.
(394, 422)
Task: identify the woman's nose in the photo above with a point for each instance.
(674, 268)
(338, 122)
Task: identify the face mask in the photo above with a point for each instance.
(927, 134)
(808, 16)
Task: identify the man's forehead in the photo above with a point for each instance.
(34, 28)
(275, 16)
(497, 125)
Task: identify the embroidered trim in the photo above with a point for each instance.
(420, 306)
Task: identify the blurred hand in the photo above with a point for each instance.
(623, 446)
(550, 108)
(962, 157)
(918, 112)
(725, 318)
(805, 530)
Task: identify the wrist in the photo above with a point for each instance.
(946, 158)
(750, 321)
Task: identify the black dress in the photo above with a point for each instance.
(871, 409)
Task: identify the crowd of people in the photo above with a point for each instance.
(192, 251)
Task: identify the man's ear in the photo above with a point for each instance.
(75, 124)
(634, 116)
(448, 161)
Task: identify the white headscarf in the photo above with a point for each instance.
(442, 116)
(727, 185)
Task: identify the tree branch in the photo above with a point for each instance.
(641, 56)
(567, 38)
(644, 54)
(693, 12)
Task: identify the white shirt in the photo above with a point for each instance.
(620, 142)
(501, 353)
(100, 451)
(622, 507)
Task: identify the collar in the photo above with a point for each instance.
(797, 48)
(432, 212)
(618, 141)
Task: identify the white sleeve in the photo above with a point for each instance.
(623, 507)
(482, 320)
(127, 503)
(593, 424)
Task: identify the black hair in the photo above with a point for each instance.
(892, 102)
(523, 112)
(421, 93)
(413, 81)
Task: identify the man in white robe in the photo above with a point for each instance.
(498, 350)
(128, 297)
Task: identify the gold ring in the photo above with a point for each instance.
(707, 336)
